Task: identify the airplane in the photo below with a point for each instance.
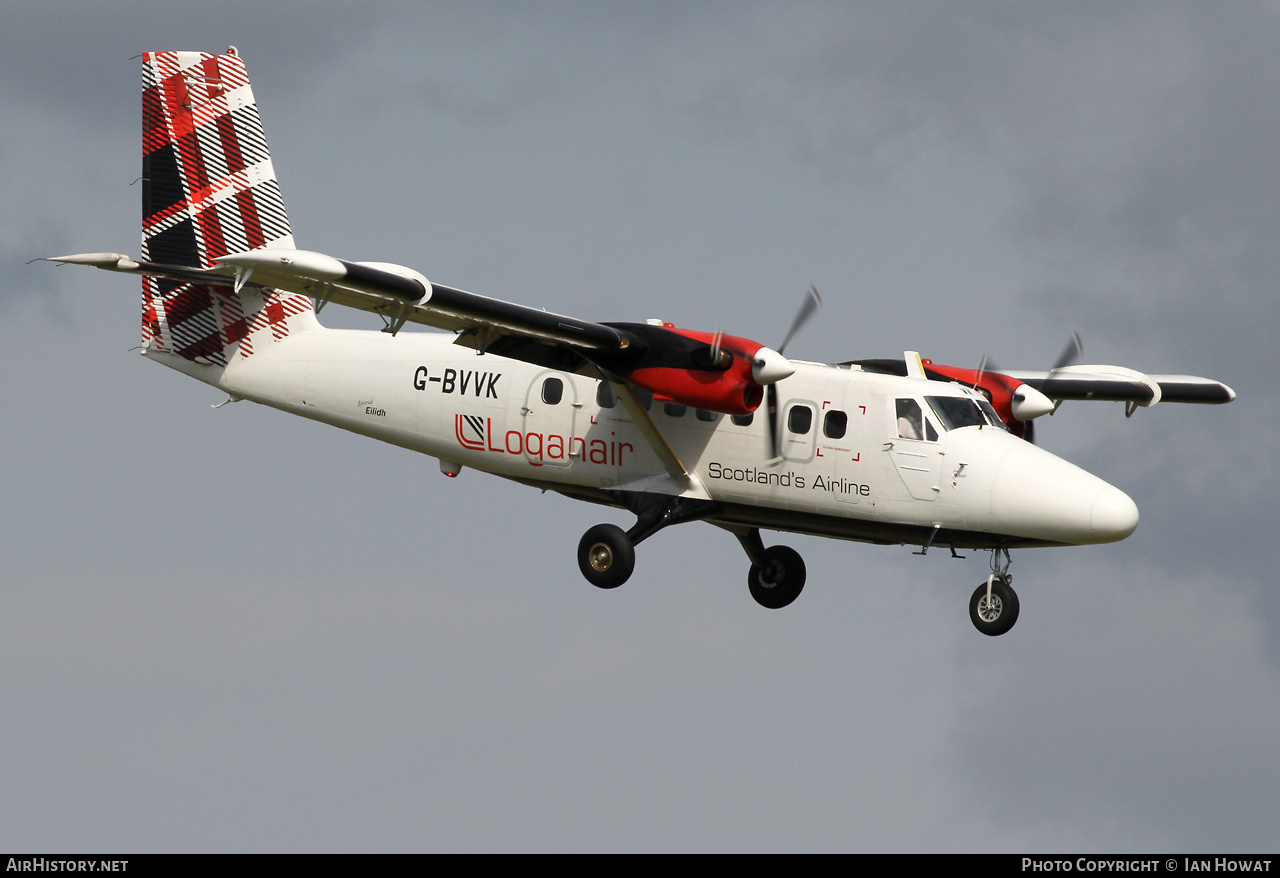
(670, 424)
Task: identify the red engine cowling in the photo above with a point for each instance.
(725, 386)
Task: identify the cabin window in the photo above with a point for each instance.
(674, 409)
(800, 419)
(605, 397)
(835, 424)
(552, 391)
(744, 420)
(704, 415)
(645, 397)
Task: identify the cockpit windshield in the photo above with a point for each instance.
(955, 412)
(992, 418)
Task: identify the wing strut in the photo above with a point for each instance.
(644, 421)
(688, 484)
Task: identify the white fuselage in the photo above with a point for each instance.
(974, 486)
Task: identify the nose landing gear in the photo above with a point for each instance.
(994, 605)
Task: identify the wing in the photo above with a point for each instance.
(1119, 384)
(711, 371)
(400, 295)
(714, 372)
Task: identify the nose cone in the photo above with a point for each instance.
(1040, 496)
(1114, 515)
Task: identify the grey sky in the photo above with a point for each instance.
(234, 630)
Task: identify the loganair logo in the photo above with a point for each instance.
(476, 433)
(470, 431)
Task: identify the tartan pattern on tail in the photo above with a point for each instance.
(208, 189)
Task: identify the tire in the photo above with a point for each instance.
(606, 556)
(779, 580)
(999, 617)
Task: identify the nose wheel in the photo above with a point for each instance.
(994, 605)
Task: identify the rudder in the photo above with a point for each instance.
(208, 189)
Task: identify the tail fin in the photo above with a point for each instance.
(208, 189)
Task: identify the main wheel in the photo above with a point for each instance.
(778, 581)
(995, 616)
(606, 556)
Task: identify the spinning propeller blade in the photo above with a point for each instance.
(985, 365)
(1029, 403)
(812, 300)
(1071, 353)
(771, 406)
(810, 304)
(715, 347)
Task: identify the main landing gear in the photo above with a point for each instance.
(606, 556)
(994, 605)
(777, 573)
(607, 553)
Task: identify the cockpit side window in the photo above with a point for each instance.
(910, 420)
(912, 424)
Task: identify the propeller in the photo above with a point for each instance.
(1070, 354)
(985, 365)
(770, 366)
(1027, 403)
(808, 306)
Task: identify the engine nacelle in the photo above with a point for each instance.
(723, 395)
(700, 369)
